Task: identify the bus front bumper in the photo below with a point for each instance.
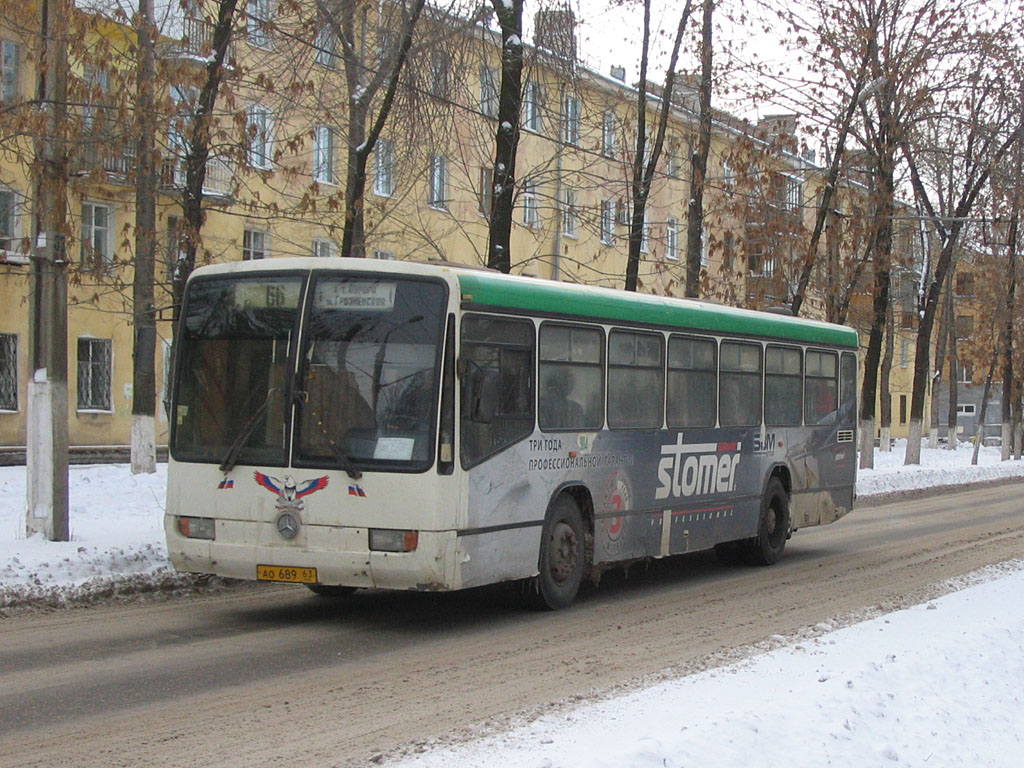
(340, 555)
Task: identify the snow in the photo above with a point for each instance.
(936, 684)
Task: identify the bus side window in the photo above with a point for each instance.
(739, 400)
(571, 377)
(783, 385)
(820, 389)
(848, 390)
(692, 382)
(636, 382)
(496, 353)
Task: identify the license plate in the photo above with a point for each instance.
(286, 573)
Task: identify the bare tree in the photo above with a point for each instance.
(645, 163)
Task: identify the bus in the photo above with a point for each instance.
(352, 423)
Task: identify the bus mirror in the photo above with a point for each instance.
(484, 396)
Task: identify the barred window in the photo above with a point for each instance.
(8, 372)
(95, 357)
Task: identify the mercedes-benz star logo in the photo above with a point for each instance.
(287, 525)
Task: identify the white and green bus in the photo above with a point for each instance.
(350, 423)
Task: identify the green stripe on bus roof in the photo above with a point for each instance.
(527, 295)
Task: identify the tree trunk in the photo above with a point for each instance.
(143, 446)
(885, 392)
(506, 137)
(936, 381)
(954, 380)
(885, 192)
(980, 436)
(699, 163)
(1006, 332)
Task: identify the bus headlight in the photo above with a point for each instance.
(197, 527)
(387, 540)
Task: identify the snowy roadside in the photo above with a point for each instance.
(117, 549)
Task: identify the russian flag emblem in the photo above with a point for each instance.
(225, 483)
(355, 490)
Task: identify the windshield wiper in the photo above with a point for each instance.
(236, 447)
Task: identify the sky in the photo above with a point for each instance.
(939, 684)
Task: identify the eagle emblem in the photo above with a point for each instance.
(290, 493)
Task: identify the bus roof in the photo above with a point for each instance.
(484, 289)
(548, 297)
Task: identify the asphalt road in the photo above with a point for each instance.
(271, 675)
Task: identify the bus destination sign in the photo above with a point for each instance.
(358, 295)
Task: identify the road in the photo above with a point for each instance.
(271, 675)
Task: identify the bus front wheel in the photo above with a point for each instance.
(562, 555)
(773, 526)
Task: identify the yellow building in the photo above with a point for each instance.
(276, 181)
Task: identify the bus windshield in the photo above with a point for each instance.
(369, 373)
(233, 352)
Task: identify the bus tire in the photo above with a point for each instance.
(562, 555)
(330, 590)
(772, 527)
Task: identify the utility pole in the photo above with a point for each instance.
(47, 436)
(143, 450)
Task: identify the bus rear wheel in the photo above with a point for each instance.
(562, 555)
(773, 526)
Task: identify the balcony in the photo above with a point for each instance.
(218, 183)
(117, 163)
(196, 42)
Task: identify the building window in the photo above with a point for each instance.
(95, 358)
(323, 155)
(323, 248)
(645, 235)
(609, 141)
(964, 326)
(326, 46)
(259, 128)
(966, 409)
(672, 163)
(440, 67)
(489, 91)
(533, 98)
(903, 409)
(486, 195)
(97, 83)
(11, 88)
(8, 220)
(383, 255)
(608, 222)
(438, 192)
(531, 204)
(672, 239)
(8, 372)
(728, 247)
(705, 247)
(794, 199)
(570, 218)
(571, 116)
(96, 241)
(255, 245)
(384, 168)
(728, 175)
(257, 22)
(964, 283)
